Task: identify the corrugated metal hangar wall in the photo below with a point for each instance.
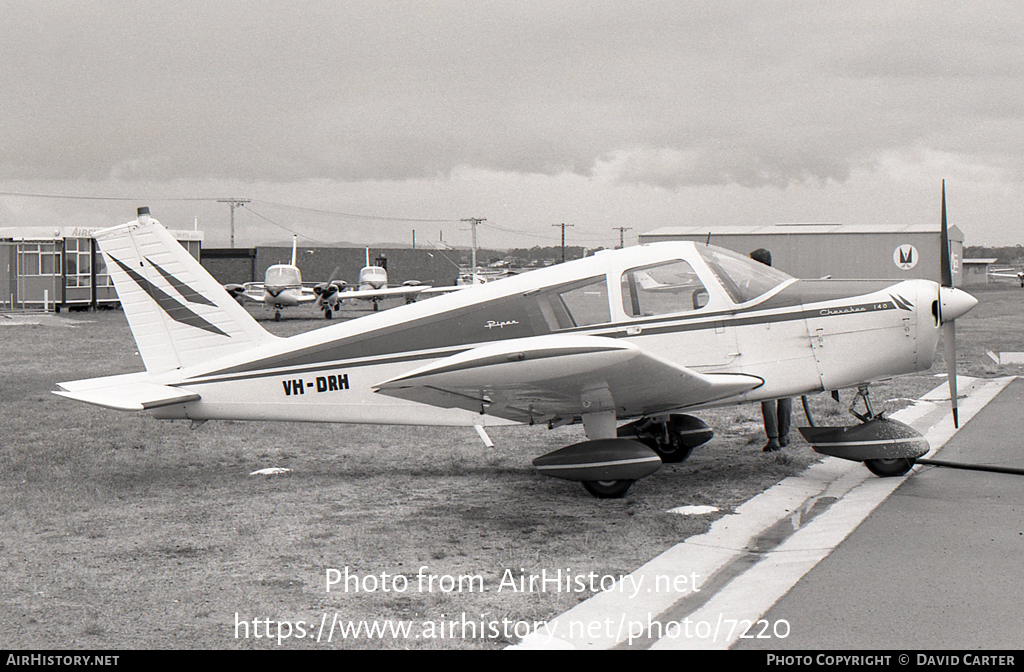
(835, 250)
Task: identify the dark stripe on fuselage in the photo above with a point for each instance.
(408, 342)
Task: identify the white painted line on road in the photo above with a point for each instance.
(725, 574)
(750, 595)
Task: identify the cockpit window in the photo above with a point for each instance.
(281, 275)
(742, 277)
(660, 289)
(587, 304)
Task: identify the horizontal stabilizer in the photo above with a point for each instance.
(125, 393)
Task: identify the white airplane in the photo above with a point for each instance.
(281, 287)
(1007, 273)
(372, 286)
(580, 342)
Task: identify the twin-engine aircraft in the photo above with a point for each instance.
(625, 342)
(281, 287)
(372, 286)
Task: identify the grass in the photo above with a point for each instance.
(120, 531)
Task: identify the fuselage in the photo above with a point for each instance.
(282, 286)
(697, 306)
(373, 277)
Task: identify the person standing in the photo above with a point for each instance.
(776, 412)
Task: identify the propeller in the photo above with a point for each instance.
(952, 304)
(326, 290)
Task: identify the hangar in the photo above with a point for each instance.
(238, 265)
(61, 267)
(904, 252)
(976, 271)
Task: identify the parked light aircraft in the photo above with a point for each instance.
(372, 286)
(281, 287)
(1007, 273)
(583, 341)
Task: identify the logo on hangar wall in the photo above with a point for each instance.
(905, 257)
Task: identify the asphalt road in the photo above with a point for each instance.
(938, 565)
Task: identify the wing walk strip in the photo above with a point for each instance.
(747, 561)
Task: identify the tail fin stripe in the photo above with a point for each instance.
(174, 309)
(189, 294)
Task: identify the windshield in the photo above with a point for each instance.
(278, 276)
(742, 277)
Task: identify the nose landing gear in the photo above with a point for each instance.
(886, 447)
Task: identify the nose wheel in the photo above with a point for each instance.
(896, 466)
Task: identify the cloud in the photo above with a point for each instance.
(654, 93)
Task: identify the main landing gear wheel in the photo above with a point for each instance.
(672, 452)
(896, 466)
(608, 489)
(673, 440)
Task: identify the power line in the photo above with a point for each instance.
(474, 222)
(563, 225)
(234, 203)
(100, 198)
(351, 215)
(210, 199)
(280, 226)
(622, 231)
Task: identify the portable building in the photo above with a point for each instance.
(60, 267)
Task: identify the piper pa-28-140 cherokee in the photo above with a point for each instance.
(591, 341)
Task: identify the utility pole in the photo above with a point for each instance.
(474, 221)
(234, 203)
(563, 225)
(622, 230)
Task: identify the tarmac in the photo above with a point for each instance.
(838, 559)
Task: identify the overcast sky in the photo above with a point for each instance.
(596, 114)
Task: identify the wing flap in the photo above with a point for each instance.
(543, 377)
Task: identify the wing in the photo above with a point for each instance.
(253, 291)
(434, 291)
(390, 292)
(542, 378)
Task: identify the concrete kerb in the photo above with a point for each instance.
(749, 559)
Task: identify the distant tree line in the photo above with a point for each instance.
(1007, 255)
(523, 257)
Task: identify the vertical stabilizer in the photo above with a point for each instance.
(178, 313)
